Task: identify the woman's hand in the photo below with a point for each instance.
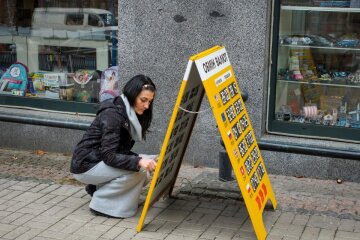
(148, 164)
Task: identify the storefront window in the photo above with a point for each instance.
(315, 80)
(52, 52)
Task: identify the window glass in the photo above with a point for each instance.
(316, 82)
(61, 50)
(74, 19)
(95, 21)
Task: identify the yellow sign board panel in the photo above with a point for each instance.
(176, 139)
(211, 71)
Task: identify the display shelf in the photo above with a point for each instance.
(321, 9)
(318, 83)
(321, 47)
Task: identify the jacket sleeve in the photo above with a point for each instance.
(111, 126)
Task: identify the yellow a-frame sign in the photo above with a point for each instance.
(211, 72)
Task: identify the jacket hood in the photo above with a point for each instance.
(116, 103)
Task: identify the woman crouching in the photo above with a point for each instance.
(103, 158)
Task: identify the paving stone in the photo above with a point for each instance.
(56, 200)
(10, 194)
(37, 225)
(7, 184)
(4, 213)
(66, 190)
(127, 234)
(154, 225)
(50, 188)
(326, 222)
(179, 237)
(207, 219)
(194, 217)
(12, 205)
(211, 205)
(211, 233)
(326, 234)
(168, 227)
(126, 224)
(16, 232)
(29, 234)
(347, 235)
(97, 227)
(47, 234)
(274, 236)
(6, 227)
(38, 187)
(34, 208)
(269, 218)
(225, 234)
(110, 221)
(72, 227)
(310, 233)
(300, 219)
(163, 203)
(79, 218)
(23, 219)
(286, 217)
(151, 235)
(11, 218)
(243, 234)
(19, 187)
(72, 202)
(85, 231)
(228, 222)
(293, 231)
(46, 198)
(113, 233)
(173, 215)
(347, 225)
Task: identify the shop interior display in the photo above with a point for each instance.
(318, 66)
(81, 86)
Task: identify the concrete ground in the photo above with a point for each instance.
(39, 199)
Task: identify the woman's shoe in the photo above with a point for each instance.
(90, 189)
(96, 213)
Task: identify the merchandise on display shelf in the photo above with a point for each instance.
(15, 80)
(110, 83)
(86, 86)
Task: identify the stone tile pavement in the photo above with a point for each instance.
(40, 200)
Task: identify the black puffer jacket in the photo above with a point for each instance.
(108, 139)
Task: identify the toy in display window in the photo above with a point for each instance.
(86, 86)
(46, 84)
(15, 80)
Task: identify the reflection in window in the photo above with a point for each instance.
(74, 19)
(94, 21)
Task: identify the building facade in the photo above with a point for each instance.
(297, 61)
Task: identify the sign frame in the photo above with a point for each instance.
(214, 71)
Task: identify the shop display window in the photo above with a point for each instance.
(58, 49)
(315, 73)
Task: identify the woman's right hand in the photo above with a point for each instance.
(148, 164)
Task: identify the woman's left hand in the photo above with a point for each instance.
(148, 164)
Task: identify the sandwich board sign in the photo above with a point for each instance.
(210, 72)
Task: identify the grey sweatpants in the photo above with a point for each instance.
(118, 190)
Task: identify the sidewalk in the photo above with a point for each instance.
(40, 200)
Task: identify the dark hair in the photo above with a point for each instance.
(132, 89)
